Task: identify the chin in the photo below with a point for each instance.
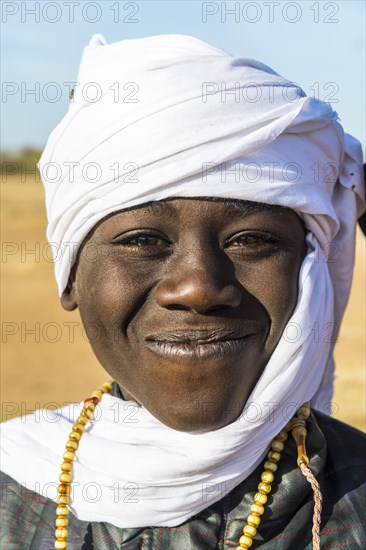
(202, 420)
(194, 427)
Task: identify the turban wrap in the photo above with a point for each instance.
(171, 116)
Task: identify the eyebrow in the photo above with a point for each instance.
(234, 208)
(160, 207)
(238, 208)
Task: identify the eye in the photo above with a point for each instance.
(142, 241)
(256, 242)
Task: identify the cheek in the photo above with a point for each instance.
(109, 293)
(275, 285)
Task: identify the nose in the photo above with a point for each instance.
(199, 284)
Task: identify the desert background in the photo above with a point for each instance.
(46, 361)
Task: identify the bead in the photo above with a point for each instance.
(277, 445)
(62, 522)
(282, 436)
(304, 411)
(61, 533)
(264, 488)
(253, 520)
(288, 426)
(69, 456)
(257, 509)
(245, 542)
(267, 476)
(60, 544)
(63, 489)
(274, 456)
(298, 432)
(62, 511)
(78, 428)
(89, 405)
(75, 436)
(63, 499)
(250, 531)
(66, 466)
(82, 420)
(91, 402)
(72, 445)
(260, 498)
(107, 386)
(88, 413)
(65, 477)
(98, 394)
(270, 466)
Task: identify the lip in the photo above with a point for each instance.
(200, 345)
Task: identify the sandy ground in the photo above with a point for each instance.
(46, 360)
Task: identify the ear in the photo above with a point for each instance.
(68, 297)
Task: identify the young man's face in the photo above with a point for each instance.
(185, 301)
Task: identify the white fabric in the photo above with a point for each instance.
(281, 149)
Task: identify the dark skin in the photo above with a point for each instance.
(185, 301)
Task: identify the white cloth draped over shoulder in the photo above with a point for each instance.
(171, 116)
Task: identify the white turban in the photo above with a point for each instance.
(155, 117)
(175, 117)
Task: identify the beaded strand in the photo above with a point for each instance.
(298, 429)
(264, 488)
(64, 488)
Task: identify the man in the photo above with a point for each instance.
(193, 227)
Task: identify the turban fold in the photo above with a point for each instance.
(175, 117)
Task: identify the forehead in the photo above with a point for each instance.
(176, 209)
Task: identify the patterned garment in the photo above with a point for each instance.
(338, 459)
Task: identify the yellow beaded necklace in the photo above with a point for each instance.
(64, 488)
(297, 426)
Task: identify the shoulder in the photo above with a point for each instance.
(346, 446)
(28, 519)
(23, 512)
(343, 483)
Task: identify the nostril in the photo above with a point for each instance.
(216, 307)
(177, 307)
(204, 309)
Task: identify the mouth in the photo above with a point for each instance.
(199, 345)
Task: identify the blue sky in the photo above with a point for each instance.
(320, 45)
